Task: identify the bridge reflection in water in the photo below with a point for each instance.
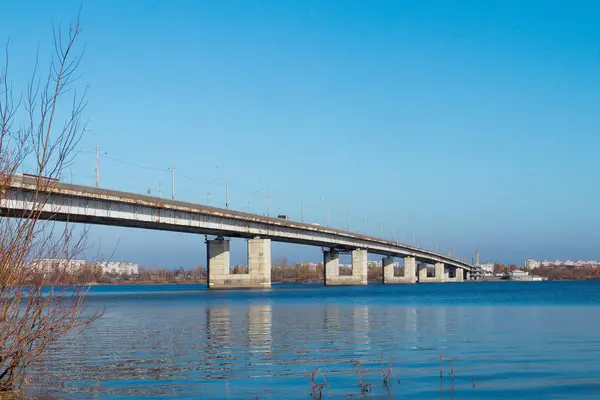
(222, 348)
(246, 344)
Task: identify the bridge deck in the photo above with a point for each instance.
(78, 203)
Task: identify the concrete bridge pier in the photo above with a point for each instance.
(259, 265)
(455, 274)
(387, 264)
(331, 266)
(439, 273)
(388, 271)
(217, 270)
(410, 269)
(422, 272)
(259, 262)
(359, 266)
(448, 274)
(331, 263)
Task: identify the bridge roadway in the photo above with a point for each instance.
(83, 204)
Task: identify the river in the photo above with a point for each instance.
(504, 340)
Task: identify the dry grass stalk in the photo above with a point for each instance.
(34, 314)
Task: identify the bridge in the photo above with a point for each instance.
(83, 204)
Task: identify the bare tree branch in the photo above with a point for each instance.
(34, 312)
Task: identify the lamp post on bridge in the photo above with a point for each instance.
(268, 204)
(172, 181)
(97, 166)
(226, 187)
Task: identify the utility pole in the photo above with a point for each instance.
(207, 197)
(97, 169)
(326, 217)
(172, 181)
(249, 206)
(227, 191)
(268, 204)
(160, 188)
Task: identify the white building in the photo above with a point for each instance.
(57, 265)
(518, 274)
(568, 263)
(532, 264)
(312, 266)
(119, 267)
(487, 269)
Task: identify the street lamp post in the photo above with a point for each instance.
(172, 181)
(97, 166)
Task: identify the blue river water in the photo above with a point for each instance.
(505, 340)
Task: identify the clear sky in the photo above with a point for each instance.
(464, 124)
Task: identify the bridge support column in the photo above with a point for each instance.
(331, 266)
(440, 272)
(422, 268)
(332, 269)
(259, 265)
(218, 262)
(387, 264)
(259, 262)
(459, 274)
(447, 273)
(410, 269)
(359, 266)
(467, 275)
(388, 271)
(451, 273)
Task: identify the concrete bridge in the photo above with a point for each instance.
(90, 205)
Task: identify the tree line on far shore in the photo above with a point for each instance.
(281, 272)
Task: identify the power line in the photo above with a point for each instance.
(134, 164)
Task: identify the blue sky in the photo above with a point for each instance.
(467, 125)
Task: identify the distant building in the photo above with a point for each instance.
(487, 269)
(531, 264)
(57, 265)
(312, 266)
(564, 264)
(518, 274)
(119, 267)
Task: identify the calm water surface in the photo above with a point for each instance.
(530, 340)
